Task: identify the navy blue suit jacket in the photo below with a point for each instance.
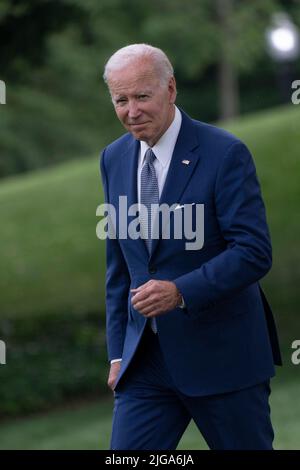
(226, 338)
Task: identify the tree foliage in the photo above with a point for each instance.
(52, 54)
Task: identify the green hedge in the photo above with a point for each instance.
(50, 359)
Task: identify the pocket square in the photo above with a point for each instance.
(180, 206)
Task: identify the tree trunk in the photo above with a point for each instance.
(227, 76)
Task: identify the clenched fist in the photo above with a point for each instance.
(155, 297)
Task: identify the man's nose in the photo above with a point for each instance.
(133, 110)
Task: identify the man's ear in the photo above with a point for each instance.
(172, 89)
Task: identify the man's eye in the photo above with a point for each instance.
(142, 97)
(120, 100)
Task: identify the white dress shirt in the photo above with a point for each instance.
(163, 150)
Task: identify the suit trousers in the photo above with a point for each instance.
(150, 413)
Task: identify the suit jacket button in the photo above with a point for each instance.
(152, 269)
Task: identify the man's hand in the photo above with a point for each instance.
(155, 297)
(113, 373)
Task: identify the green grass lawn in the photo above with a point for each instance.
(88, 426)
(48, 245)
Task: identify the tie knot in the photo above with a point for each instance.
(149, 156)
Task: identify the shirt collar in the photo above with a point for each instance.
(163, 149)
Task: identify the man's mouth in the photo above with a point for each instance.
(137, 124)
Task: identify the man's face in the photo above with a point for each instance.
(144, 106)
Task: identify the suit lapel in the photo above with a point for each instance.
(130, 160)
(129, 171)
(179, 173)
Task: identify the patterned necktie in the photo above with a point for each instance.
(149, 195)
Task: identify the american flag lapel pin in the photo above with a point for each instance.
(185, 162)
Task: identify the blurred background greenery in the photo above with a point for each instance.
(57, 117)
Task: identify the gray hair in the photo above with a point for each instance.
(133, 52)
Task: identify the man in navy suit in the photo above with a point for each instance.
(190, 334)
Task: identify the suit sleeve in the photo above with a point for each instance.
(117, 287)
(241, 217)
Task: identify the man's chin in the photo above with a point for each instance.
(140, 135)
